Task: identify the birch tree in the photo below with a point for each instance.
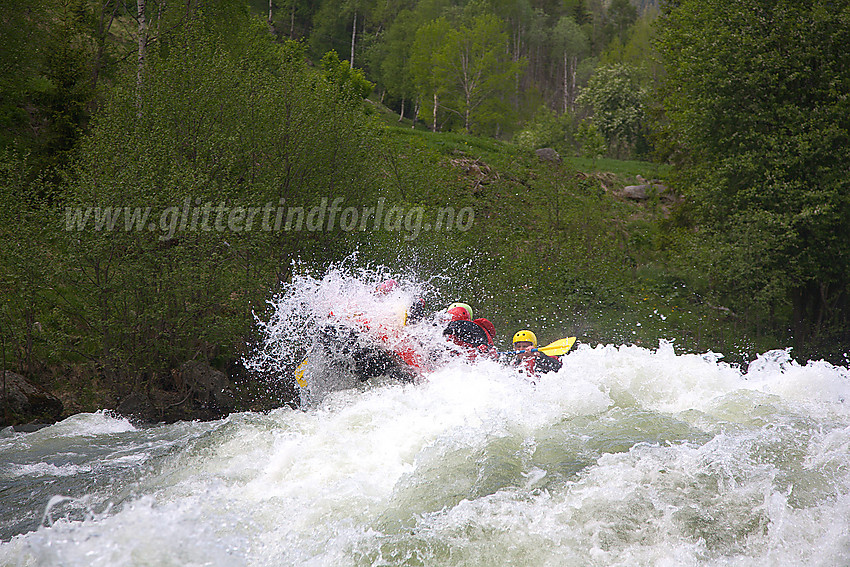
(475, 66)
(570, 43)
(430, 39)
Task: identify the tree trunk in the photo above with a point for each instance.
(353, 36)
(292, 21)
(102, 34)
(270, 12)
(566, 84)
(434, 123)
(573, 71)
(143, 41)
(401, 114)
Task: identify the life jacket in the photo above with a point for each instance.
(472, 336)
(466, 333)
(488, 327)
(534, 365)
(390, 337)
(396, 341)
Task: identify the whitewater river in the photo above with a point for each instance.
(627, 456)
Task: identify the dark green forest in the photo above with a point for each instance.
(151, 154)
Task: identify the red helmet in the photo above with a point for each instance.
(386, 287)
(460, 312)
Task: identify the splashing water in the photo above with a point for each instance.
(332, 323)
(626, 456)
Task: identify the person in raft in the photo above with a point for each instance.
(374, 357)
(532, 360)
(474, 335)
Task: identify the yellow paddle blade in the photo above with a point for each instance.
(559, 347)
(299, 374)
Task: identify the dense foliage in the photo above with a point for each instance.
(757, 105)
(486, 67)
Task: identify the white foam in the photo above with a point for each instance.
(626, 456)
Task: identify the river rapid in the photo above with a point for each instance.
(626, 456)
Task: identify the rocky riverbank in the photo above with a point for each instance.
(199, 392)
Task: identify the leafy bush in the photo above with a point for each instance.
(547, 129)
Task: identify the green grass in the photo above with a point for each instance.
(629, 289)
(621, 168)
(486, 149)
(449, 143)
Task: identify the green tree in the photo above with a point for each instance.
(339, 25)
(391, 59)
(570, 43)
(617, 101)
(46, 76)
(228, 121)
(28, 267)
(290, 18)
(620, 17)
(546, 130)
(756, 107)
(474, 68)
(351, 83)
(430, 38)
(591, 142)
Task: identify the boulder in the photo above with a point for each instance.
(636, 192)
(138, 406)
(25, 402)
(210, 388)
(548, 154)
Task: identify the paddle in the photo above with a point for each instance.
(299, 374)
(558, 348)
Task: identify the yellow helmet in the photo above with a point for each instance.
(525, 335)
(463, 306)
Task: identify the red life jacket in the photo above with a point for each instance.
(472, 336)
(540, 363)
(488, 327)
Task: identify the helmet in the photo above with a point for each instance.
(525, 335)
(386, 286)
(454, 310)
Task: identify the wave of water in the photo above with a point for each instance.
(627, 456)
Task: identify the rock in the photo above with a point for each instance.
(27, 403)
(29, 427)
(201, 392)
(210, 388)
(636, 192)
(548, 154)
(137, 405)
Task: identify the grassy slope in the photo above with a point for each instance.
(606, 270)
